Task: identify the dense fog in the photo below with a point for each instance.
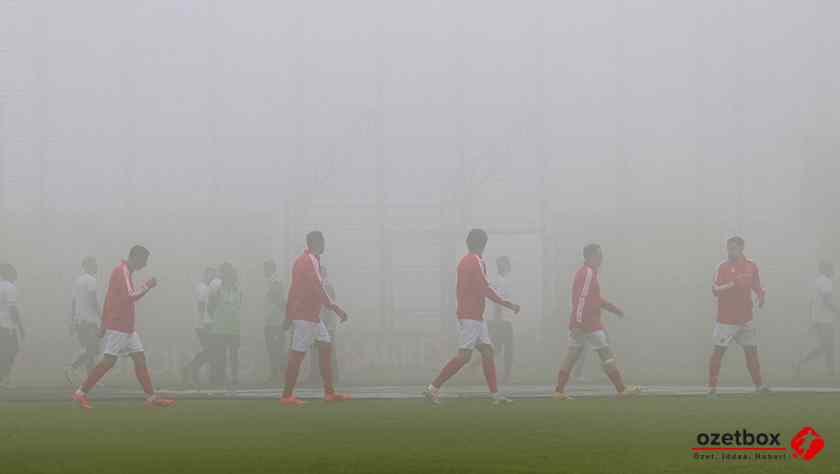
(214, 131)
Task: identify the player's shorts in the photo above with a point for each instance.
(306, 333)
(117, 344)
(743, 334)
(472, 333)
(595, 339)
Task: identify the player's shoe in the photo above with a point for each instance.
(630, 391)
(81, 398)
(157, 402)
(561, 396)
(763, 390)
(432, 395)
(337, 397)
(292, 401)
(712, 395)
(499, 400)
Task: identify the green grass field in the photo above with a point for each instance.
(652, 434)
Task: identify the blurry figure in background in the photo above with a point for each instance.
(190, 373)
(85, 315)
(307, 296)
(501, 328)
(331, 321)
(225, 307)
(734, 283)
(472, 289)
(275, 314)
(823, 314)
(11, 325)
(117, 331)
(586, 328)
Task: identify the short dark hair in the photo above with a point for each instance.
(138, 251)
(476, 240)
(88, 260)
(270, 264)
(736, 240)
(7, 271)
(503, 260)
(314, 236)
(826, 266)
(590, 250)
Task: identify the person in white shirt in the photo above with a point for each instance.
(823, 314)
(11, 326)
(501, 328)
(85, 316)
(190, 373)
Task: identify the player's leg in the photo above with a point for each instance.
(141, 371)
(746, 338)
(722, 335)
(326, 350)
(469, 333)
(95, 375)
(598, 341)
(233, 354)
(508, 351)
(303, 336)
(334, 356)
(573, 353)
(754, 368)
(577, 372)
(461, 358)
(190, 373)
(818, 351)
(715, 361)
(8, 352)
(829, 343)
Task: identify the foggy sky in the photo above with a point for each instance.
(645, 123)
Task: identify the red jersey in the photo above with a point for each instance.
(735, 304)
(587, 301)
(472, 288)
(307, 294)
(118, 311)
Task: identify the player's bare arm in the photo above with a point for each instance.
(15, 315)
(612, 308)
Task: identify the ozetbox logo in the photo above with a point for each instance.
(807, 444)
(804, 445)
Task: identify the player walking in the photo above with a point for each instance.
(84, 321)
(190, 372)
(307, 296)
(585, 327)
(120, 339)
(823, 313)
(11, 325)
(471, 290)
(735, 281)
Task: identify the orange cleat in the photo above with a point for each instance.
(337, 397)
(157, 402)
(80, 397)
(292, 401)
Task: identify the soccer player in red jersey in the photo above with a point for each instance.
(585, 327)
(307, 296)
(472, 289)
(117, 331)
(735, 281)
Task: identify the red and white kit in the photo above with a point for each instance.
(734, 284)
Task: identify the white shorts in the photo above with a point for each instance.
(743, 334)
(595, 339)
(116, 343)
(306, 333)
(472, 333)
